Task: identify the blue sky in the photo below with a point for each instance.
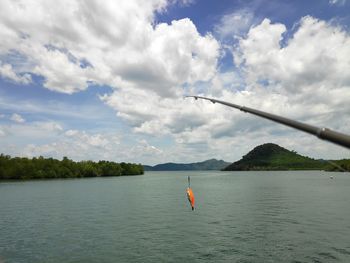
(106, 79)
(207, 14)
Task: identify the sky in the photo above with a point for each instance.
(106, 80)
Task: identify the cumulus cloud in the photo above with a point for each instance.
(144, 149)
(234, 24)
(17, 118)
(304, 79)
(30, 131)
(114, 43)
(151, 114)
(82, 145)
(50, 139)
(150, 66)
(308, 71)
(95, 140)
(7, 72)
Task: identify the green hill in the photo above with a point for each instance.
(211, 164)
(271, 156)
(338, 165)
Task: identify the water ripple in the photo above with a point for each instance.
(240, 217)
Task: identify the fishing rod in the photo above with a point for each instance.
(322, 133)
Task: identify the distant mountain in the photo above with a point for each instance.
(211, 164)
(271, 156)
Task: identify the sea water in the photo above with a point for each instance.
(301, 216)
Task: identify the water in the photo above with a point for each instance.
(240, 217)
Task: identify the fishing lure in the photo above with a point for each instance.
(190, 194)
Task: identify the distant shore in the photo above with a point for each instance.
(21, 168)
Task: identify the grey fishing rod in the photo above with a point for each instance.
(322, 133)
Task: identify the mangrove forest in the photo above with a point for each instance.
(20, 168)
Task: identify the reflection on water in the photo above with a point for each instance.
(239, 217)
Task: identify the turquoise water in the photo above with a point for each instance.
(239, 217)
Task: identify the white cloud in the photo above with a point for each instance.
(120, 44)
(49, 139)
(94, 140)
(82, 145)
(22, 131)
(17, 118)
(309, 71)
(48, 126)
(151, 114)
(185, 2)
(182, 3)
(7, 72)
(71, 133)
(337, 2)
(114, 43)
(145, 151)
(304, 79)
(234, 24)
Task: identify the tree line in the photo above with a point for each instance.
(339, 166)
(42, 168)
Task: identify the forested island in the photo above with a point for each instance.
(20, 168)
(271, 156)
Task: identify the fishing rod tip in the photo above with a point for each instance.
(190, 96)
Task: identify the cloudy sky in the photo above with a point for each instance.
(106, 79)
